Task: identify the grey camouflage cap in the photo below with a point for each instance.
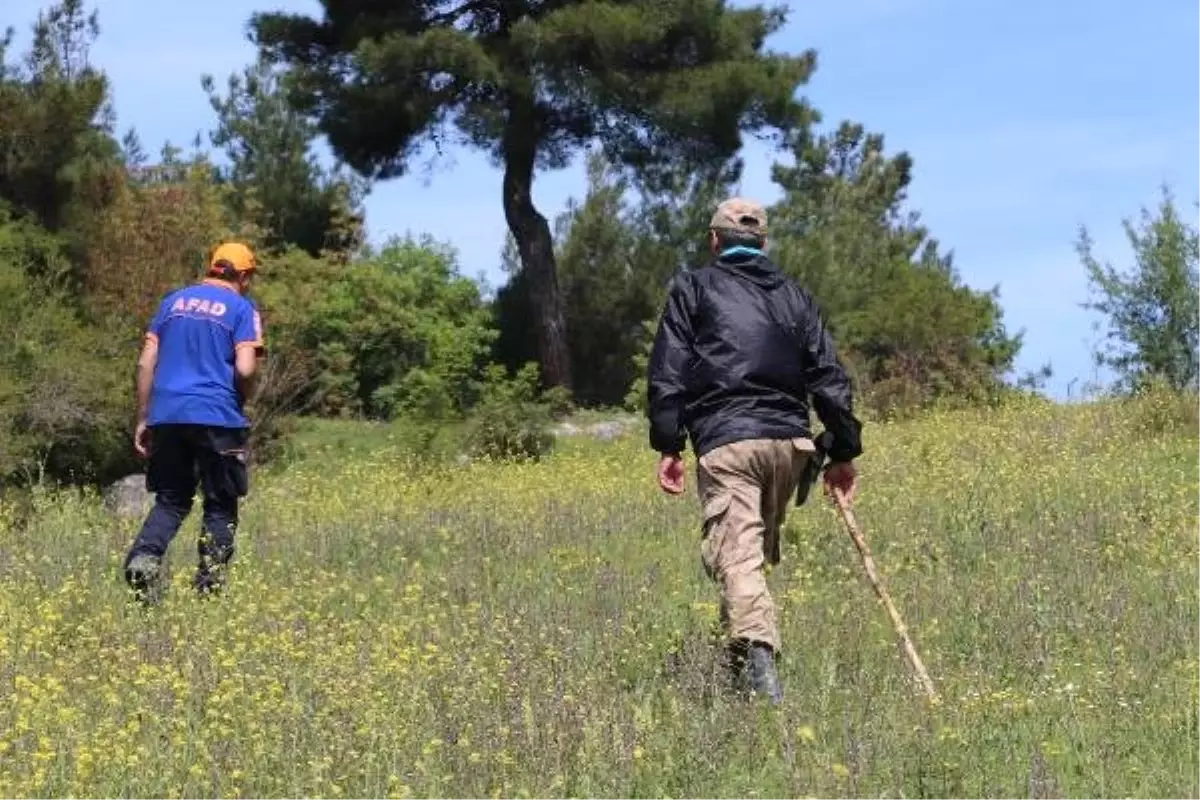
(739, 215)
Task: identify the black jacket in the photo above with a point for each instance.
(739, 350)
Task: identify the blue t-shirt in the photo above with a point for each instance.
(199, 330)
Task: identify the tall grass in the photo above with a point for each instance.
(544, 629)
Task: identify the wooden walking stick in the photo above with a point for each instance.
(808, 478)
(881, 591)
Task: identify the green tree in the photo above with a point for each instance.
(662, 85)
(516, 339)
(603, 293)
(155, 236)
(279, 182)
(840, 223)
(671, 224)
(1151, 308)
(616, 251)
(394, 332)
(65, 413)
(59, 161)
(909, 329)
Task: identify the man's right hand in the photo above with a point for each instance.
(141, 440)
(671, 474)
(841, 478)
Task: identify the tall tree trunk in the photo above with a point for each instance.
(536, 247)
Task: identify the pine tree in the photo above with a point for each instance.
(661, 85)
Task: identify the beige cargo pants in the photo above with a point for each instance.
(745, 489)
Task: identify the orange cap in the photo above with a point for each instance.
(237, 255)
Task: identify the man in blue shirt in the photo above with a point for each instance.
(197, 368)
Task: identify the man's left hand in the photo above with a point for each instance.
(842, 479)
(671, 474)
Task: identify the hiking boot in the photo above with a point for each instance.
(209, 580)
(143, 573)
(764, 679)
(751, 667)
(735, 666)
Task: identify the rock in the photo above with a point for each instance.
(128, 498)
(607, 431)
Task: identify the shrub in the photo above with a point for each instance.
(65, 412)
(392, 333)
(511, 423)
(1158, 409)
(636, 399)
(153, 238)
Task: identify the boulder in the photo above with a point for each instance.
(604, 431)
(607, 431)
(128, 497)
(566, 429)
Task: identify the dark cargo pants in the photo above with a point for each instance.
(182, 456)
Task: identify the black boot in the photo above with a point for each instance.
(209, 581)
(764, 679)
(213, 567)
(752, 669)
(735, 664)
(143, 573)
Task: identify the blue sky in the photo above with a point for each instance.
(1025, 120)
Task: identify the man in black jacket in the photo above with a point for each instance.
(740, 350)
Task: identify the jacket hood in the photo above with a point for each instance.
(751, 265)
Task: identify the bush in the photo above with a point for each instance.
(65, 412)
(559, 402)
(153, 238)
(636, 398)
(511, 423)
(395, 333)
(1157, 409)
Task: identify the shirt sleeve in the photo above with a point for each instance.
(154, 330)
(249, 332)
(665, 380)
(829, 384)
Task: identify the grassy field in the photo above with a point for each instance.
(544, 630)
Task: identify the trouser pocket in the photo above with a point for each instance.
(713, 533)
(226, 473)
